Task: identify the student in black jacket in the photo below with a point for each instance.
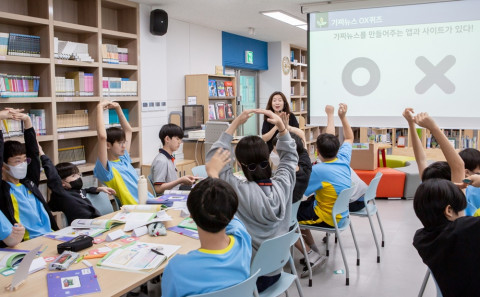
(20, 199)
(65, 182)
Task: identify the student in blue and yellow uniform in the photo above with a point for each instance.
(223, 259)
(113, 167)
(21, 201)
(10, 235)
(327, 180)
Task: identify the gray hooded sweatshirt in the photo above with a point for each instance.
(266, 210)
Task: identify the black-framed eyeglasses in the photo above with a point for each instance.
(253, 166)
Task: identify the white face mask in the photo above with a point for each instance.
(19, 171)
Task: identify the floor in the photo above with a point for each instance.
(400, 272)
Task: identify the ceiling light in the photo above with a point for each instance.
(303, 27)
(282, 16)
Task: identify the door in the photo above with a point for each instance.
(247, 82)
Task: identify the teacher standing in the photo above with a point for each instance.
(278, 104)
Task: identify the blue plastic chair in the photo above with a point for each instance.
(371, 209)
(424, 284)
(243, 289)
(200, 171)
(340, 206)
(101, 202)
(294, 225)
(272, 255)
(152, 185)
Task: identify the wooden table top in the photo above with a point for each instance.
(112, 282)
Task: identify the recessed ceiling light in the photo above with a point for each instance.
(282, 16)
(303, 27)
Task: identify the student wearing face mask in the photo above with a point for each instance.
(68, 195)
(20, 199)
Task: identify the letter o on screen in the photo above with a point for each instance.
(370, 86)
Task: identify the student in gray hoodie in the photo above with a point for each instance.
(265, 201)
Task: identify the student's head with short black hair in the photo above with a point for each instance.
(170, 130)
(298, 142)
(66, 169)
(434, 199)
(253, 154)
(471, 158)
(439, 169)
(115, 134)
(328, 145)
(13, 148)
(212, 204)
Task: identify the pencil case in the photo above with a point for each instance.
(79, 243)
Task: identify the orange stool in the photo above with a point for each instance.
(391, 184)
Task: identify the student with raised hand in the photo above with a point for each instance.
(164, 173)
(21, 201)
(327, 180)
(68, 194)
(114, 165)
(265, 201)
(453, 169)
(278, 104)
(225, 252)
(10, 235)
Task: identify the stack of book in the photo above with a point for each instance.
(76, 121)
(68, 50)
(3, 44)
(14, 44)
(220, 111)
(76, 83)
(220, 88)
(116, 87)
(12, 128)
(75, 155)
(19, 85)
(110, 117)
(113, 54)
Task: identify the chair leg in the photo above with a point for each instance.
(335, 238)
(327, 253)
(307, 261)
(347, 272)
(297, 281)
(355, 242)
(381, 229)
(374, 237)
(424, 283)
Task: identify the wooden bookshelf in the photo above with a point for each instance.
(196, 85)
(94, 22)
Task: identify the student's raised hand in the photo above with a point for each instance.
(114, 105)
(40, 149)
(285, 118)
(217, 162)
(8, 113)
(408, 115)
(244, 116)
(20, 116)
(104, 104)
(342, 110)
(272, 118)
(107, 190)
(329, 109)
(424, 120)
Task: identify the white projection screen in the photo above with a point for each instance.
(381, 60)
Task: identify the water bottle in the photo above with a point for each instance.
(142, 190)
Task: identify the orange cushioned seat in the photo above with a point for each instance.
(391, 184)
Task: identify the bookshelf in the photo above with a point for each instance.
(298, 81)
(91, 22)
(196, 85)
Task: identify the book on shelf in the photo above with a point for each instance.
(76, 121)
(212, 88)
(3, 44)
(74, 84)
(11, 128)
(220, 88)
(38, 121)
(19, 85)
(111, 119)
(69, 50)
(220, 109)
(117, 87)
(228, 84)
(211, 112)
(112, 54)
(74, 154)
(23, 45)
(229, 111)
(123, 56)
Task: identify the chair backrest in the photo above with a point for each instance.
(371, 192)
(243, 289)
(101, 202)
(274, 253)
(341, 204)
(200, 171)
(295, 206)
(152, 186)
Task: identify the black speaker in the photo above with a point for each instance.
(158, 22)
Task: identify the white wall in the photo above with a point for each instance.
(164, 61)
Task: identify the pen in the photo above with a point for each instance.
(157, 252)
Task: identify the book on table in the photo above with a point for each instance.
(97, 223)
(11, 258)
(69, 233)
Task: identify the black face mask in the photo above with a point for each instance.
(77, 184)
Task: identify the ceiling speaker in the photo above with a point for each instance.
(158, 22)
